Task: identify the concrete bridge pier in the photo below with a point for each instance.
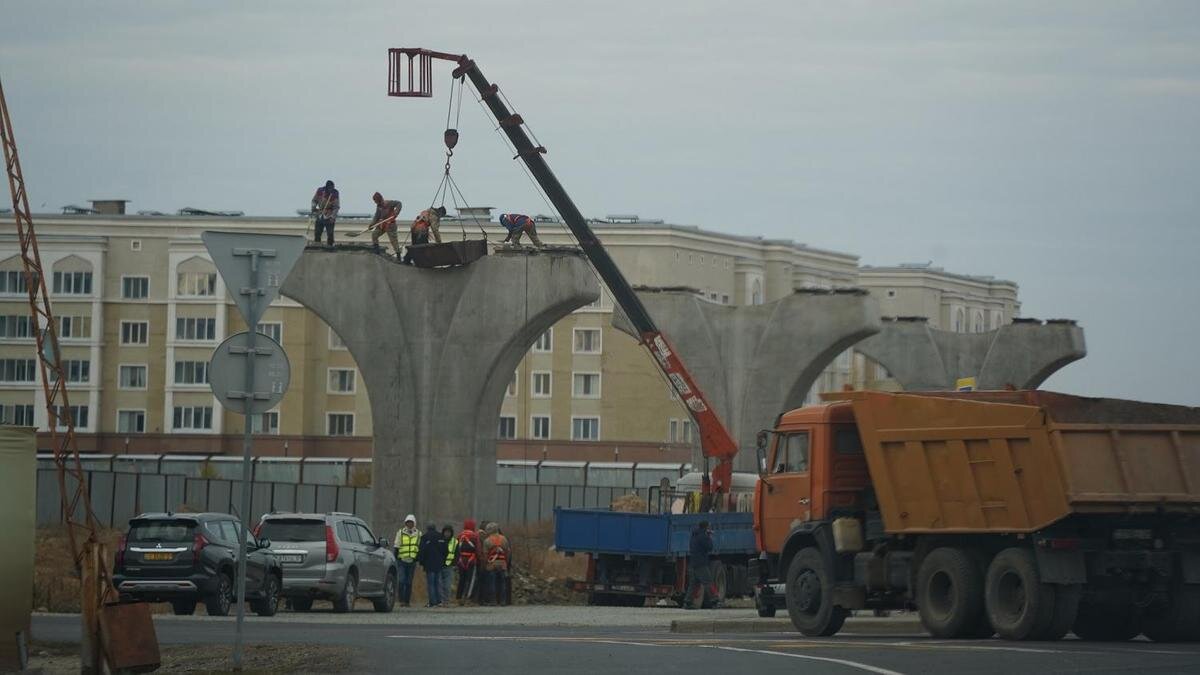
(754, 362)
(1021, 355)
(436, 350)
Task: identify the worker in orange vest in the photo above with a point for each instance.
(468, 561)
(425, 224)
(386, 211)
(495, 556)
(517, 225)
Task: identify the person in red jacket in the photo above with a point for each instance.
(518, 224)
(468, 561)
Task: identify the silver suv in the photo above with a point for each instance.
(330, 556)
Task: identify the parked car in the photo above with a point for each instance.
(183, 558)
(331, 556)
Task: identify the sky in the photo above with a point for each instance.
(1053, 144)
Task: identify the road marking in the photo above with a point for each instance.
(842, 662)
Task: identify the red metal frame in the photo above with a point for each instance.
(410, 71)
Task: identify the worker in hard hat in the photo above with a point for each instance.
(426, 223)
(386, 211)
(519, 224)
(325, 207)
(407, 543)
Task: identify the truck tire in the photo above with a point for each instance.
(765, 609)
(810, 595)
(721, 581)
(1109, 617)
(1066, 608)
(950, 594)
(1019, 605)
(1179, 620)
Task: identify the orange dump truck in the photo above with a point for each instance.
(1026, 514)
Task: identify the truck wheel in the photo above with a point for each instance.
(1179, 620)
(1019, 605)
(1107, 618)
(721, 581)
(810, 595)
(950, 593)
(765, 610)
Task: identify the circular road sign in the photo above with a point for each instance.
(227, 373)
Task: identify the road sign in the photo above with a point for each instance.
(964, 384)
(227, 373)
(237, 253)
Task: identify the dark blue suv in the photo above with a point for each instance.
(183, 558)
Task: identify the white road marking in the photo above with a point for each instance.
(842, 662)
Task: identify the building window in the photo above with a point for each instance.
(756, 293)
(679, 431)
(977, 322)
(191, 372)
(17, 370)
(995, 320)
(266, 423)
(79, 371)
(335, 340)
(273, 330)
(131, 377)
(540, 383)
(14, 326)
(891, 293)
(79, 415)
(539, 427)
(585, 428)
(13, 281)
(724, 298)
(131, 421)
(508, 428)
(196, 284)
(960, 320)
(340, 424)
(545, 342)
(135, 288)
(192, 417)
(20, 415)
(587, 340)
(512, 385)
(341, 381)
(74, 327)
(135, 332)
(73, 283)
(195, 328)
(585, 385)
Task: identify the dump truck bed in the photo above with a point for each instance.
(1020, 461)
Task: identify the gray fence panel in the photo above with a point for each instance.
(218, 495)
(562, 496)
(284, 497)
(125, 498)
(533, 496)
(195, 493)
(152, 492)
(101, 492)
(362, 504)
(345, 500)
(590, 497)
(326, 498)
(260, 501)
(176, 492)
(306, 498)
(49, 508)
(545, 503)
(499, 507)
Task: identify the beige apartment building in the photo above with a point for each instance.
(140, 308)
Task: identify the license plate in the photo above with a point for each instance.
(157, 556)
(294, 559)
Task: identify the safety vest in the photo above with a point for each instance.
(466, 550)
(406, 546)
(496, 553)
(451, 549)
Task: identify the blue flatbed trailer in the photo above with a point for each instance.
(635, 556)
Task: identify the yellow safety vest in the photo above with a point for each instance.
(451, 549)
(406, 546)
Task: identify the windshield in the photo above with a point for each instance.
(295, 529)
(161, 531)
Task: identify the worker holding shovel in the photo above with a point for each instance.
(386, 211)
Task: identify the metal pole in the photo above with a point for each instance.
(246, 444)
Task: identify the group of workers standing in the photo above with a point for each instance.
(479, 558)
(326, 203)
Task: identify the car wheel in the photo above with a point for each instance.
(218, 603)
(388, 601)
(268, 605)
(184, 607)
(301, 604)
(345, 600)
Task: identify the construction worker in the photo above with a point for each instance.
(408, 542)
(432, 556)
(699, 568)
(495, 556)
(325, 206)
(468, 561)
(451, 559)
(426, 222)
(386, 211)
(519, 224)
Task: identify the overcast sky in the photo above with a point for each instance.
(1054, 144)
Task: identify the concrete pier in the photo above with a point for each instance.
(756, 361)
(436, 349)
(1022, 354)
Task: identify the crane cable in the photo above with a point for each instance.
(448, 186)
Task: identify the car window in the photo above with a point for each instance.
(292, 530)
(213, 529)
(364, 534)
(791, 455)
(348, 533)
(161, 531)
(229, 531)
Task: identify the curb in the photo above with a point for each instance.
(864, 625)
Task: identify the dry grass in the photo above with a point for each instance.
(540, 572)
(55, 581)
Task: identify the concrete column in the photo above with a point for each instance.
(436, 349)
(1022, 354)
(754, 362)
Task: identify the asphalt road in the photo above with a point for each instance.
(410, 642)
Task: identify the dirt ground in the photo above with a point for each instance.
(64, 658)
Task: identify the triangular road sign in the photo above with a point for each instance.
(234, 253)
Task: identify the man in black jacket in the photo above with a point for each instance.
(432, 556)
(699, 571)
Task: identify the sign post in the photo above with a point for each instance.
(253, 267)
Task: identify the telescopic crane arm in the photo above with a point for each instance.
(715, 441)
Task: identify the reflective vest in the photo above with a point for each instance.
(466, 550)
(496, 554)
(406, 545)
(451, 549)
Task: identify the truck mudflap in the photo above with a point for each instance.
(647, 590)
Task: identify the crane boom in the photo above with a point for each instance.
(715, 441)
